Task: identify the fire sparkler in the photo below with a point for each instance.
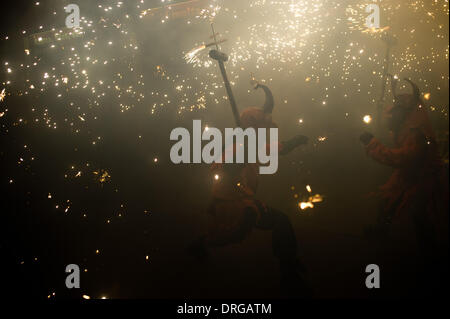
(2, 95)
(66, 80)
(311, 200)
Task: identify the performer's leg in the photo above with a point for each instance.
(217, 236)
(429, 268)
(380, 229)
(424, 231)
(284, 245)
(235, 235)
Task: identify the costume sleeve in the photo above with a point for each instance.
(285, 148)
(412, 148)
(288, 146)
(280, 148)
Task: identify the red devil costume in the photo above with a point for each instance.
(417, 186)
(236, 211)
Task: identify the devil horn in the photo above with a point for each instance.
(416, 91)
(394, 82)
(269, 104)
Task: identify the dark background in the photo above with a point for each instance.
(155, 209)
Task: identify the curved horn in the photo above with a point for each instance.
(270, 103)
(394, 82)
(416, 90)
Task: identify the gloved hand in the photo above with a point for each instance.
(366, 137)
(300, 140)
(294, 142)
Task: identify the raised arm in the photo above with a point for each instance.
(410, 150)
(288, 146)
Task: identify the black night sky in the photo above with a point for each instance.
(85, 118)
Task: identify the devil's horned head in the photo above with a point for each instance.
(408, 111)
(404, 105)
(407, 102)
(257, 117)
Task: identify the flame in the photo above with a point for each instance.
(191, 56)
(305, 205)
(312, 199)
(367, 119)
(376, 30)
(2, 95)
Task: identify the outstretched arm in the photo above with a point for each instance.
(410, 150)
(293, 143)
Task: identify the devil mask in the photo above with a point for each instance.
(408, 111)
(257, 117)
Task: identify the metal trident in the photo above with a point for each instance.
(390, 41)
(221, 58)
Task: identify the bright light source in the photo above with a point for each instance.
(367, 119)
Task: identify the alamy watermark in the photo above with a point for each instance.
(73, 19)
(235, 144)
(373, 280)
(373, 20)
(73, 279)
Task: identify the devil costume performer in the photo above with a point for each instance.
(235, 210)
(417, 186)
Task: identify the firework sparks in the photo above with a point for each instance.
(66, 79)
(192, 56)
(312, 199)
(367, 119)
(2, 95)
